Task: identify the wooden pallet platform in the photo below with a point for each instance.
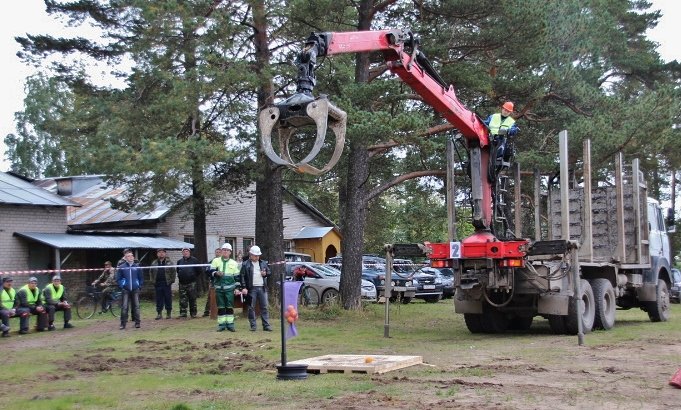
(350, 363)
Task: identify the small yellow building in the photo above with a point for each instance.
(321, 243)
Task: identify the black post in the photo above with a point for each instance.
(286, 371)
(281, 317)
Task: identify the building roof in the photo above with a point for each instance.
(311, 232)
(69, 241)
(18, 191)
(93, 197)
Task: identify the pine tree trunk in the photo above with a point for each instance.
(356, 191)
(269, 222)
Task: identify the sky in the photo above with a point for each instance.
(29, 16)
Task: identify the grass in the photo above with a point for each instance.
(185, 364)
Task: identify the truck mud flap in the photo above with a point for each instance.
(553, 304)
(467, 306)
(647, 292)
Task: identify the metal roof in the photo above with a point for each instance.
(68, 241)
(92, 196)
(311, 232)
(96, 207)
(16, 191)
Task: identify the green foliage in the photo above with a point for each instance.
(584, 66)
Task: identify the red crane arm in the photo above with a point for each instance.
(395, 44)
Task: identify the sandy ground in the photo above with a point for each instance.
(630, 374)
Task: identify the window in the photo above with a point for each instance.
(248, 242)
(231, 241)
(288, 246)
(189, 239)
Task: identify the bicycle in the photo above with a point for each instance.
(87, 305)
(308, 296)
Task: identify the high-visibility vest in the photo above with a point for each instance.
(8, 296)
(56, 294)
(31, 298)
(495, 123)
(230, 270)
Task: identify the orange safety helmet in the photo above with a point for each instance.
(508, 105)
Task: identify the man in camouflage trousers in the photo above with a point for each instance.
(187, 277)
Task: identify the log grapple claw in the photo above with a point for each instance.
(302, 110)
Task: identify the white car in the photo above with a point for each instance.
(324, 281)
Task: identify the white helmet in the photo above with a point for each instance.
(227, 246)
(255, 250)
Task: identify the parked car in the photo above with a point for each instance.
(675, 292)
(297, 257)
(428, 284)
(373, 270)
(447, 276)
(368, 261)
(325, 280)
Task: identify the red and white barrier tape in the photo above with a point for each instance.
(48, 271)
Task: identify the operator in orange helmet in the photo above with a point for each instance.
(502, 125)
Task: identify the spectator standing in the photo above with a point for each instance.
(130, 279)
(54, 297)
(7, 304)
(211, 286)
(107, 284)
(225, 273)
(163, 278)
(254, 273)
(30, 301)
(187, 277)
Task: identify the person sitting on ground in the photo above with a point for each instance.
(54, 298)
(29, 301)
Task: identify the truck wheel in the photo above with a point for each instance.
(557, 324)
(493, 321)
(604, 298)
(520, 323)
(588, 310)
(658, 311)
(473, 322)
(406, 300)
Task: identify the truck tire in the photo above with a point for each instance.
(557, 324)
(588, 312)
(604, 299)
(520, 323)
(473, 322)
(493, 321)
(658, 311)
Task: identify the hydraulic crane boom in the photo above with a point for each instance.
(403, 58)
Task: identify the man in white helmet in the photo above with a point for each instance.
(254, 273)
(224, 272)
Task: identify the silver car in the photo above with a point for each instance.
(324, 282)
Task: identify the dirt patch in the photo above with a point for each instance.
(170, 355)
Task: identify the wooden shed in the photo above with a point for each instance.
(321, 243)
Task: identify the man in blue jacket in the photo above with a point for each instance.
(130, 280)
